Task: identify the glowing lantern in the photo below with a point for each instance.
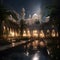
(53, 33)
(35, 33)
(42, 34)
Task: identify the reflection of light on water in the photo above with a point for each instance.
(42, 43)
(36, 41)
(13, 44)
(36, 56)
(48, 52)
(27, 53)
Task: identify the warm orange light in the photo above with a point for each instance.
(57, 34)
(11, 33)
(35, 33)
(24, 34)
(53, 33)
(42, 44)
(42, 34)
(36, 42)
(28, 33)
(4, 27)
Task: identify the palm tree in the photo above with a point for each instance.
(23, 26)
(4, 13)
(55, 13)
(3, 16)
(13, 13)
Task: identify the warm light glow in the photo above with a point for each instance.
(13, 44)
(53, 33)
(11, 33)
(35, 33)
(42, 44)
(28, 33)
(36, 42)
(42, 34)
(4, 27)
(24, 33)
(33, 43)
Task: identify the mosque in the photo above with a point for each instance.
(42, 30)
(35, 27)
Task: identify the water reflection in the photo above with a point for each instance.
(35, 50)
(26, 53)
(36, 56)
(26, 56)
(13, 44)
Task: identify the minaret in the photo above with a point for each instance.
(23, 13)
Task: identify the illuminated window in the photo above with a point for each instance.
(28, 33)
(53, 33)
(11, 33)
(4, 27)
(24, 33)
(35, 33)
(42, 34)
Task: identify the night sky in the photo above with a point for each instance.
(31, 6)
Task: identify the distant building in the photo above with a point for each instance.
(42, 30)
